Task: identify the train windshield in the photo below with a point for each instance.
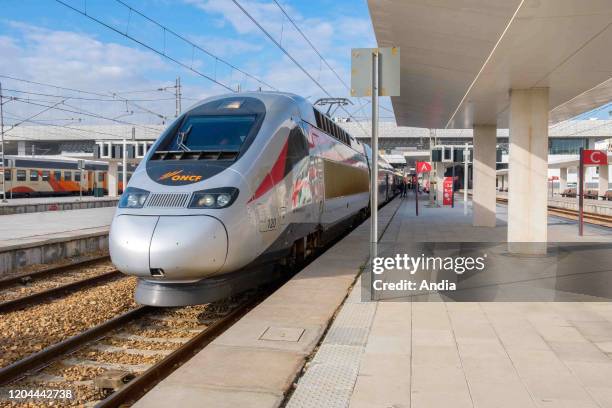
(213, 133)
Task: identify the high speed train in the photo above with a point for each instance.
(236, 186)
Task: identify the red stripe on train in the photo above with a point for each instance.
(275, 176)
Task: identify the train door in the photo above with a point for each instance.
(88, 181)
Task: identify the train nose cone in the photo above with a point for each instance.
(183, 248)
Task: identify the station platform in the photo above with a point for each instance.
(41, 237)
(316, 343)
(41, 204)
(404, 352)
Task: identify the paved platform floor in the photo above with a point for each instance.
(26, 229)
(406, 353)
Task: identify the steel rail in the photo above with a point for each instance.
(143, 383)
(48, 355)
(591, 218)
(49, 271)
(38, 297)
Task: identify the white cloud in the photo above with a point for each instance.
(332, 37)
(80, 61)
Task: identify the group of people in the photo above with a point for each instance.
(405, 185)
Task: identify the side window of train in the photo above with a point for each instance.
(298, 145)
(57, 175)
(7, 175)
(33, 175)
(100, 177)
(45, 175)
(67, 175)
(77, 176)
(21, 175)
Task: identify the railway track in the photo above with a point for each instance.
(21, 291)
(590, 218)
(116, 362)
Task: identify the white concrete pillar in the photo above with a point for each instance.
(113, 178)
(603, 180)
(528, 171)
(562, 179)
(439, 183)
(484, 191)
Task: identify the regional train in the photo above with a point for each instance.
(234, 187)
(44, 176)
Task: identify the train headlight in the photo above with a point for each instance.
(133, 198)
(207, 200)
(214, 198)
(223, 199)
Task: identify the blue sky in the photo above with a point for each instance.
(44, 41)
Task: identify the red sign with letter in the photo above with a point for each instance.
(423, 167)
(447, 198)
(594, 157)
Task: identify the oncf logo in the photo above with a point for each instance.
(177, 175)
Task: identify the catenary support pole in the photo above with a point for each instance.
(2, 147)
(124, 165)
(178, 96)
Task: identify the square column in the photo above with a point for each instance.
(528, 171)
(484, 191)
(113, 178)
(603, 180)
(562, 179)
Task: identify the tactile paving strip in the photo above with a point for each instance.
(331, 376)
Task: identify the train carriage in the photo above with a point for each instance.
(43, 176)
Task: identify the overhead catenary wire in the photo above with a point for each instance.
(41, 123)
(116, 95)
(86, 113)
(284, 50)
(163, 52)
(322, 58)
(87, 99)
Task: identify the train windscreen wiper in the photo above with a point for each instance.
(195, 155)
(182, 137)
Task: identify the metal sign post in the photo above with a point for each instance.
(465, 179)
(453, 187)
(581, 193)
(416, 193)
(374, 173)
(375, 72)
